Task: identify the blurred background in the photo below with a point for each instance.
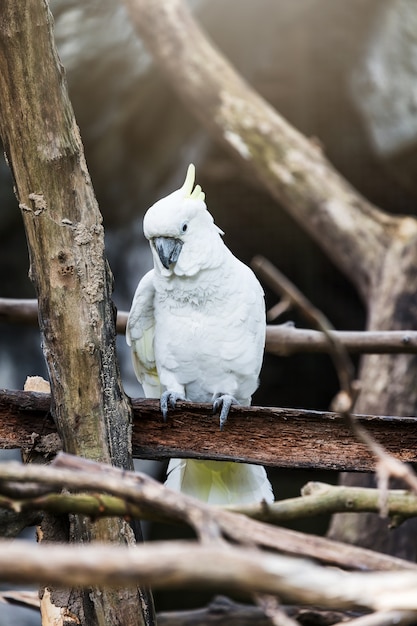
(342, 72)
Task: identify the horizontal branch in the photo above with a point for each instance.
(316, 499)
(290, 438)
(221, 611)
(211, 524)
(283, 339)
(286, 340)
(322, 498)
(182, 564)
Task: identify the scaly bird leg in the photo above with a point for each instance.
(169, 399)
(224, 401)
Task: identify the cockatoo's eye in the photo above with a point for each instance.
(184, 227)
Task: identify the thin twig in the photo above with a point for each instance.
(277, 281)
(272, 609)
(387, 465)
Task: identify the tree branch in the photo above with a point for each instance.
(269, 436)
(352, 231)
(316, 499)
(211, 524)
(283, 339)
(70, 273)
(180, 564)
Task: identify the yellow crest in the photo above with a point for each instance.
(188, 185)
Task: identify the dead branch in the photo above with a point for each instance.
(71, 276)
(283, 339)
(209, 523)
(286, 340)
(187, 564)
(289, 291)
(351, 230)
(221, 611)
(322, 498)
(316, 499)
(383, 618)
(270, 436)
(387, 466)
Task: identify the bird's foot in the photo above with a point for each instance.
(223, 402)
(169, 399)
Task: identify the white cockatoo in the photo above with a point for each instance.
(197, 332)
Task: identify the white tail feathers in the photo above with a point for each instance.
(220, 482)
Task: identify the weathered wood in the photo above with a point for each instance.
(70, 273)
(208, 522)
(376, 251)
(290, 438)
(210, 566)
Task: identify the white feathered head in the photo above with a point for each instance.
(181, 231)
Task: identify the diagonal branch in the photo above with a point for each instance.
(352, 231)
(208, 522)
(182, 564)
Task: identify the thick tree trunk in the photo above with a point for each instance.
(389, 384)
(375, 250)
(69, 270)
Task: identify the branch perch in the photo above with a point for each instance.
(283, 339)
(269, 436)
(316, 499)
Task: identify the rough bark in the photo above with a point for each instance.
(376, 251)
(352, 231)
(69, 270)
(290, 438)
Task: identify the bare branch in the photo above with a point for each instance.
(193, 432)
(209, 522)
(186, 564)
(284, 287)
(321, 498)
(352, 231)
(316, 499)
(283, 339)
(286, 340)
(383, 618)
(387, 466)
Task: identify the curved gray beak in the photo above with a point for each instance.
(168, 250)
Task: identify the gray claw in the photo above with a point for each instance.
(225, 402)
(169, 399)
